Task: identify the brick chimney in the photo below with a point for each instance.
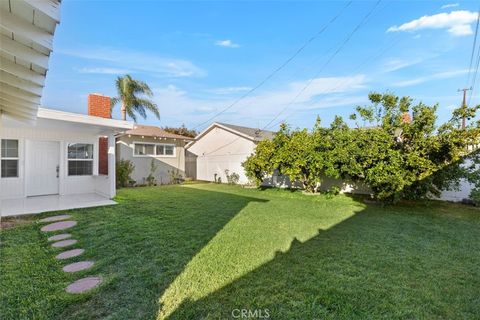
(99, 106)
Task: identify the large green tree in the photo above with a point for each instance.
(396, 149)
(134, 98)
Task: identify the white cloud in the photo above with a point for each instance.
(134, 61)
(435, 76)
(227, 43)
(178, 107)
(461, 30)
(457, 23)
(394, 64)
(229, 90)
(102, 70)
(450, 5)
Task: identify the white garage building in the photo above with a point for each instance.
(223, 147)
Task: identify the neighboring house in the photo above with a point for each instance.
(144, 144)
(223, 147)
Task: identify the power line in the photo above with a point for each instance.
(473, 48)
(342, 45)
(366, 62)
(364, 20)
(474, 79)
(278, 68)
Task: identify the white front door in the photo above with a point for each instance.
(42, 167)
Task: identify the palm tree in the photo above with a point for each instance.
(128, 90)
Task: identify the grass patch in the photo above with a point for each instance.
(202, 250)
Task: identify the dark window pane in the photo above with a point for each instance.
(80, 151)
(9, 168)
(169, 150)
(149, 149)
(9, 148)
(144, 149)
(160, 150)
(80, 168)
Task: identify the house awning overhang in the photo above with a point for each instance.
(26, 36)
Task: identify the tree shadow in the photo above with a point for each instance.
(376, 264)
(142, 244)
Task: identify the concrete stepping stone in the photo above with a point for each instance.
(69, 254)
(78, 266)
(58, 237)
(56, 218)
(64, 243)
(59, 226)
(83, 285)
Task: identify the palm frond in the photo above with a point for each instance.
(150, 106)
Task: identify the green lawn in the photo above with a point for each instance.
(202, 250)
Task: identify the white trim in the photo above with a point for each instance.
(83, 119)
(51, 8)
(23, 52)
(218, 125)
(27, 30)
(11, 158)
(155, 155)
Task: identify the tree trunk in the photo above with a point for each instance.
(123, 110)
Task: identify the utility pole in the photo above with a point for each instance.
(464, 105)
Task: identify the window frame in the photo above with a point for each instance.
(155, 145)
(17, 158)
(92, 160)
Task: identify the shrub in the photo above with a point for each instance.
(232, 178)
(123, 172)
(396, 155)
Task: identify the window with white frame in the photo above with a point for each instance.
(153, 149)
(165, 149)
(144, 149)
(80, 159)
(9, 152)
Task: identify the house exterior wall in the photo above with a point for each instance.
(219, 150)
(49, 130)
(165, 164)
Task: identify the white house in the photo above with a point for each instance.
(54, 163)
(223, 147)
(49, 160)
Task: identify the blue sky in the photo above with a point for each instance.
(199, 56)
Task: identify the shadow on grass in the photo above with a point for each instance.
(141, 245)
(395, 264)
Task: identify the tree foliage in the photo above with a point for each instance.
(395, 149)
(182, 130)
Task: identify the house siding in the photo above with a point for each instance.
(219, 150)
(16, 187)
(165, 164)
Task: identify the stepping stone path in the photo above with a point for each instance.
(78, 266)
(83, 285)
(59, 226)
(69, 254)
(64, 243)
(56, 218)
(61, 236)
